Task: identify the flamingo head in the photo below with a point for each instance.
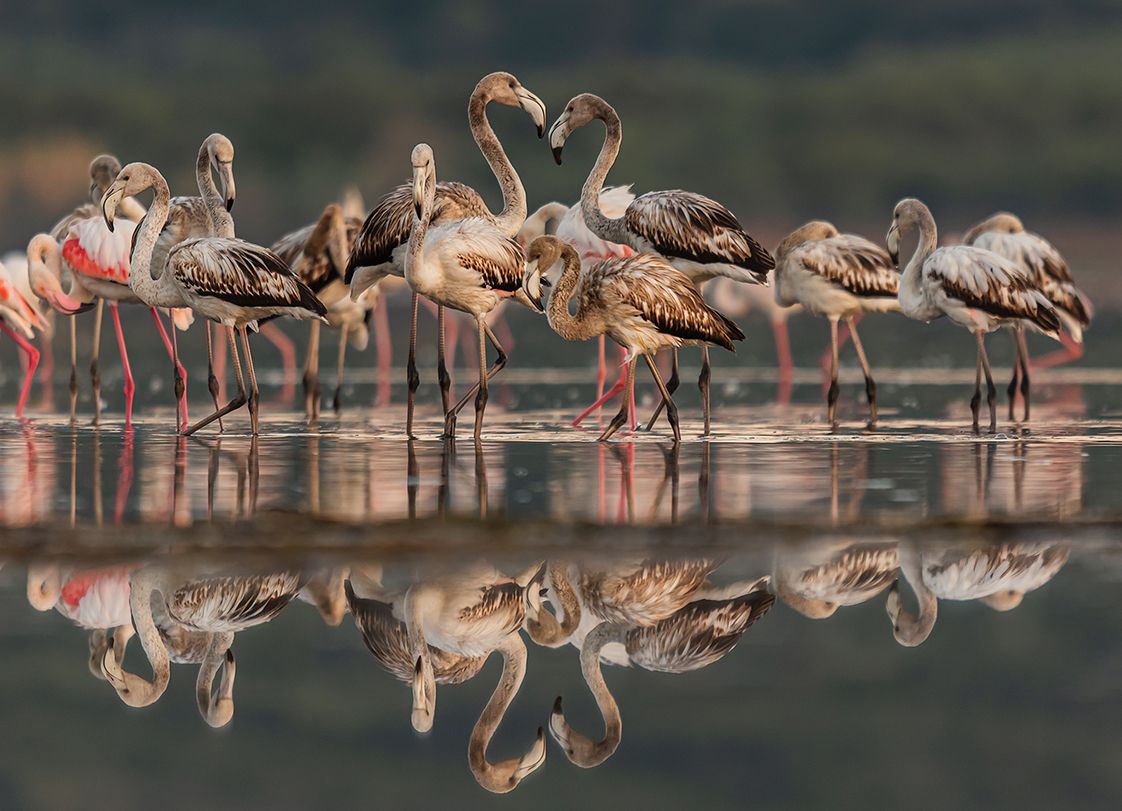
(44, 269)
(504, 88)
(220, 149)
(103, 169)
(424, 176)
(579, 111)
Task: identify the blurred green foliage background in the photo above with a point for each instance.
(784, 110)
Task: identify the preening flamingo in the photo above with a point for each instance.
(839, 276)
(642, 303)
(19, 320)
(975, 288)
(1005, 235)
(697, 235)
(381, 245)
(227, 280)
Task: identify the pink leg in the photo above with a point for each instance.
(385, 350)
(130, 384)
(783, 356)
(274, 335)
(124, 479)
(181, 373)
(47, 374)
(32, 362)
(631, 402)
(1071, 351)
(601, 369)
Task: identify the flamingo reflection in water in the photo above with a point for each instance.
(442, 630)
(697, 635)
(192, 618)
(997, 575)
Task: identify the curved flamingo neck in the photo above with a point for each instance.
(603, 634)
(612, 230)
(221, 222)
(141, 272)
(910, 279)
(510, 219)
(141, 692)
(513, 651)
(564, 323)
(415, 251)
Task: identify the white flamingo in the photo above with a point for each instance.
(975, 288)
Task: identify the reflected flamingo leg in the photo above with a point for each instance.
(783, 357)
(274, 335)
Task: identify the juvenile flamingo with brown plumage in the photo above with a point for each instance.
(1005, 235)
(227, 280)
(975, 288)
(697, 235)
(839, 276)
(642, 303)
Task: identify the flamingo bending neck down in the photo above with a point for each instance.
(380, 248)
(697, 235)
(224, 279)
(975, 288)
(19, 320)
(1005, 235)
(642, 303)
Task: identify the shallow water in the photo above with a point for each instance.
(1016, 707)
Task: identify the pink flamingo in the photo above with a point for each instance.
(19, 320)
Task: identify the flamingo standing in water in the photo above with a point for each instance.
(19, 320)
(642, 303)
(1005, 235)
(381, 247)
(975, 288)
(698, 236)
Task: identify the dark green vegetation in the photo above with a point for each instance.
(784, 110)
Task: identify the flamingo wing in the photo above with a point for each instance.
(95, 251)
(855, 264)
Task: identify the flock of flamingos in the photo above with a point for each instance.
(667, 616)
(635, 265)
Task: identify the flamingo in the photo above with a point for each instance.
(469, 265)
(224, 279)
(697, 235)
(642, 303)
(839, 276)
(19, 320)
(998, 576)
(380, 249)
(975, 288)
(817, 578)
(1005, 235)
(208, 610)
(698, 635)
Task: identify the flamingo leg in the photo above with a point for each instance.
(32, 362)
(311, 375)
(783, 357)
(1011, 390)
(500, 363)
(237, 402)
(384, 348)
(601, 369)
(671, 386)
(180, 374)
(336, 402)
(1022, 347)
(442, 375)
(824, 362)
(976, 400)
(870, 384)
(671, 409)
(481, 395)
(211, 378)
(991, 391)
(413, 380)
(254, 394)
(47, 374)
(130, 384)
(1073, 350)
(73, 370)
(703, 386)
(220, 368)
(628, 392)
(832, 392)
(95, 354)
(287, 349)
(615, 389)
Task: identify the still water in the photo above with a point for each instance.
(780, 617)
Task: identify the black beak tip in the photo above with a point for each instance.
(557, 154)
(895, 257)
(85, 308)
(109, 225)
(557, 706)
(541, 130)
(229, 203)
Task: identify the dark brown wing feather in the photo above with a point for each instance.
(853, 263)
(316, 271)
(685, 225)
(389, 223)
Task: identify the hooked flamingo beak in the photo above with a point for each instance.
(67, 305)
